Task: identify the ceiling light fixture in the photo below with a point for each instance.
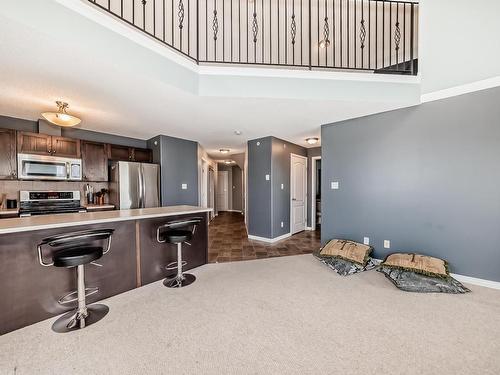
(224, 151)
(61, 118)
(312, 140)
(237, 132)
(228, 162)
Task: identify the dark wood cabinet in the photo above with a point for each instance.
(8, 169)
(66, 147)
(94, 161)
(42, 144)
(33, 143)
(119, 153)
(124, 153)
(142, 155)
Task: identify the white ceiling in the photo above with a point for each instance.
(118, 86)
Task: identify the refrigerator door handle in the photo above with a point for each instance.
(141, 187)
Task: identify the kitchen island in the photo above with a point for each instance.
(29, 292)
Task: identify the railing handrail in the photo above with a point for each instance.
(362, 35)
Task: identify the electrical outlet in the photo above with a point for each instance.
(281, 224)
(184, 186)
(334, 185)
(366, 240)
(387, 244)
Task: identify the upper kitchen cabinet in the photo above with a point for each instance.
(119, 153)
(43, 144)
(142, 155)
(33, 143)
(66, 147)
(124, 153)
(94, 161)
(8, 170)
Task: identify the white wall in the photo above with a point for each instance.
(459, 42)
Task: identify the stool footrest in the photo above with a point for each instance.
(174, 265)
(73, 296)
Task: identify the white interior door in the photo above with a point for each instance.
(222, 191)
(298, 193)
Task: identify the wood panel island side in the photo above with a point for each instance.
(30, 292)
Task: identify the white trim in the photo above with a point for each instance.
(309, 228)
(269, 240)
(313, 190)
(462, 89)
(475, 281)
(233, 211)
(290, 191)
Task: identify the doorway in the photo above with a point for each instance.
(222, 191)
(298, 193)
(211, 191)
(316, 193)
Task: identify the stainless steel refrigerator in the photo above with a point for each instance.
(134, 185)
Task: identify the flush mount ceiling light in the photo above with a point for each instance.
(312, 140)
(237, 132)
(224, 151)
(228, 162)
(61, 118)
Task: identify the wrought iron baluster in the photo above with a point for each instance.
(397, 36)
(144, 14)
(215, 29)
(362, 34)
(293, 31)
(255, 32)
(180, 15)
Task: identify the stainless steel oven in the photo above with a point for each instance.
(41, 167)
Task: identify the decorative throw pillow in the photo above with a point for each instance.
(347, 250)
(345, 267)
(422, 264)
(411, 281)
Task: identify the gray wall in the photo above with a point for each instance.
(280, 174)
(314, 151)
(268, 204)
(259, 190)
(237, 188)
(87, 135)
(179, 165)
(426, 177)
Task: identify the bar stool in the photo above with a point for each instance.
(76, 250)
(177, 232)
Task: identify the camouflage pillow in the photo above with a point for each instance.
(345, 267)
(348, 250)
(411, 281)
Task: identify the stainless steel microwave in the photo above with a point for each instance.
(41, 167)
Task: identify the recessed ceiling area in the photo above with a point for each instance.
(117, 86)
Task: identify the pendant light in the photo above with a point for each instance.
(61, 118)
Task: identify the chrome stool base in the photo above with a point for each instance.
(180, 282)
(71, 322)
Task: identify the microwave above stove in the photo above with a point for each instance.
(41, 167)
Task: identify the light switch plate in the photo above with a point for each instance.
(387, 244)
(282, 186)
(267, 177)
(281, 224)
(334, 185)
(366, 240)
(184, 186)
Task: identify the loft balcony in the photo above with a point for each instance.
(342, 35)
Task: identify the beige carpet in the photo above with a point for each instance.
(288, 315)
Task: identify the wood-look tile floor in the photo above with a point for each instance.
(228, 241)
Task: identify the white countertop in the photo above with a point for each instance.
(24, 224)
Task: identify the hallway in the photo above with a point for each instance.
(228, 241)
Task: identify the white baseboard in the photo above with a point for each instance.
(309, 228)
(476, 281)
(269, 240)
(233, 211)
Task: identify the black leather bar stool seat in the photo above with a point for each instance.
(176, 236)
(75, 250)
(176, 233)
(75, 256)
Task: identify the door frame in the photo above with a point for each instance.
(292, 155)
(204, 183)
(314, 159)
